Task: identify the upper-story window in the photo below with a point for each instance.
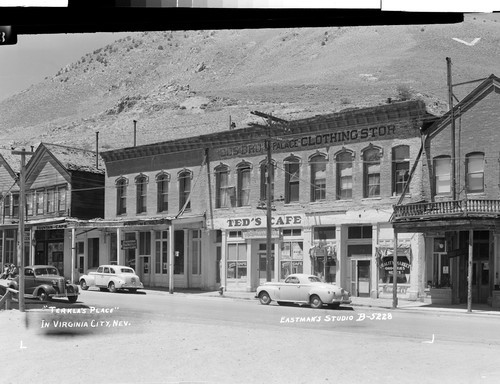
(141, 185)
(263, 180)
(442, 173)
(50, 200)
(292, 178)
(223, 190)
(371, 172)
(39, 202)
(29, 203)
(318, 177)
(15, 205)
(400, 168)
(6, 205)
(344, 175)
(121, 196)
(162, 181)
(185, 189)
(475, 172)
(244, 170)
(61, 198)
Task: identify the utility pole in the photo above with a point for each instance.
(270, 120)
(135, 133)
(20, 234)
(452, 121)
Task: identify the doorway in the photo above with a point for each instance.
(263, 263)
(360, 278)
(144, 270)
(480, 281)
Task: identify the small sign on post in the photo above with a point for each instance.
(129, 244)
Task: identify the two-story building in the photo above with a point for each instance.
(62, 186)
(458, 212)
(334, 177)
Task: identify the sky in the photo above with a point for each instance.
(35, 57)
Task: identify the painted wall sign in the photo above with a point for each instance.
(310, 141)
(258, 222)
(129, 244)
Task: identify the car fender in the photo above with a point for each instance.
(49, 289)
(117, 281)
(89, 279)
(271, 290)
(322, 293)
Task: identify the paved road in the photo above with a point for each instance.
(162, 338)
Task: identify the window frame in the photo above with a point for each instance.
(468, 173)
(292, 180)
(368, 155)
(141, 194)
(400, 165)
(222, 192)
(162, 190)
(263, 179)
(184, 178)
(318, 191)
(244, 170)
(435, 160)
(121, 196)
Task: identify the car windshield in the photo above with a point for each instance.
(314, 279)
(126, 270)
(46, 271)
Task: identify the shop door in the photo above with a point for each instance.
(144, 270)
(360, 280)
(194, 260)
(480, 281)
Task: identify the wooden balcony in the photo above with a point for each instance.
(446, 209)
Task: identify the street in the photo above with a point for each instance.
(162, 338)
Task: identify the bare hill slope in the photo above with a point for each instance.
(177, 84)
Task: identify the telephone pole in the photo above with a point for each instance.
(20, 234)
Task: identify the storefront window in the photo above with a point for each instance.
(323, 254)
(385, 259)
(236, 261)
(292, 256)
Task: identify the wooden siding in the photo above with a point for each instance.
(46, 173)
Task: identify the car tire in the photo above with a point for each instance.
(42, 296)
(315, 301)
(72, 299)
(111, 287)
(83, 285)
(264, 298)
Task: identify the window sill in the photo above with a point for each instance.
(394, 197)
(371, 198)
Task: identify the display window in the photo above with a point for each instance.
(292, 256)
(237, 261)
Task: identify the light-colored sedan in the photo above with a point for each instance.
(305, 289)
(112, 278)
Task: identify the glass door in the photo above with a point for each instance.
(480, 281)
(144, 270)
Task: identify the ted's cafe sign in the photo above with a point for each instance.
(310, 141)
(238, 223)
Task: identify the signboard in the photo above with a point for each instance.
(129, 244)
(277, 221)
(260, 234)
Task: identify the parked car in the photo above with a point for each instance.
(112, 278)
(303, 288)
(43, 282)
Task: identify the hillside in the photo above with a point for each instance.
(177, 84)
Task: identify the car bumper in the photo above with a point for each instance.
(131, 286)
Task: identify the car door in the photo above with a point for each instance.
(98, 277)
(29, 281)
(290, 290)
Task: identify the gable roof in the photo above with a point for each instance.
(490, 84)
(71, 158)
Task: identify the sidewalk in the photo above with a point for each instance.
(385, 304)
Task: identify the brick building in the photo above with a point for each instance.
(459, 209)
(335, 179)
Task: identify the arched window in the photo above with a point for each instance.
(344, 175)
(121, 196)
(141, 185)
(475, 172)
(244, 170)
(162, 182)
(442, 174)
(371, 172)
(318, 177)
(222, 189)
(400, 168)
(184, 188)
(292, 179)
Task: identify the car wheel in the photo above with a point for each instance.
(112, 287)
(83, 285)
(264, 298)
(316, 301)
(72, 299)
(42, 295)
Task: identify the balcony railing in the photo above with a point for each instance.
(447, 208)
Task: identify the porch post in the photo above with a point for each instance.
(118, 246)
(469, 273)
(171, 256)
(73, 254)
(395, 272)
